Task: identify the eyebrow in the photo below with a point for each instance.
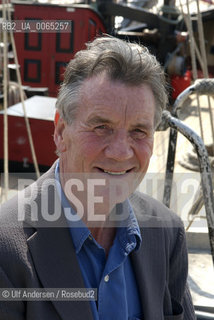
(97, 119)
(143, 126)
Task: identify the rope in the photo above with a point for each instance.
(22, 101)
(5, 81)
(198, 54)
(193, 59)
(193, 40)
(205, 69)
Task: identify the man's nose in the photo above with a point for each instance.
(119, 148)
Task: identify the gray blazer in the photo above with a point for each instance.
(35, 255)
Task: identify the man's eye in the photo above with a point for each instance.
(103, 129)
(138, 133)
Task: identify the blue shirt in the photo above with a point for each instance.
(117, 291)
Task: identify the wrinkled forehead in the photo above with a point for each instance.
(103, 96)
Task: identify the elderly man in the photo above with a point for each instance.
(82, 225)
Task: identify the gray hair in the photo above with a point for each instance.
(129, 63)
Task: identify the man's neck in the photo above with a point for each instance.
(104, 236)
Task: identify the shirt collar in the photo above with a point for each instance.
(128, 230)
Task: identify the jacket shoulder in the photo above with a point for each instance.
(153, 213)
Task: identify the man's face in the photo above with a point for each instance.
(112, 134)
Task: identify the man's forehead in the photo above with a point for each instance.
(100, 85)
(101, 90)
(113, 100)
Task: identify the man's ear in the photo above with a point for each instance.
(59, 124)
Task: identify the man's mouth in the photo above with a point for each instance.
(115, 173)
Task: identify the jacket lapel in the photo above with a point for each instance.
(53, 253)
(57, 267)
